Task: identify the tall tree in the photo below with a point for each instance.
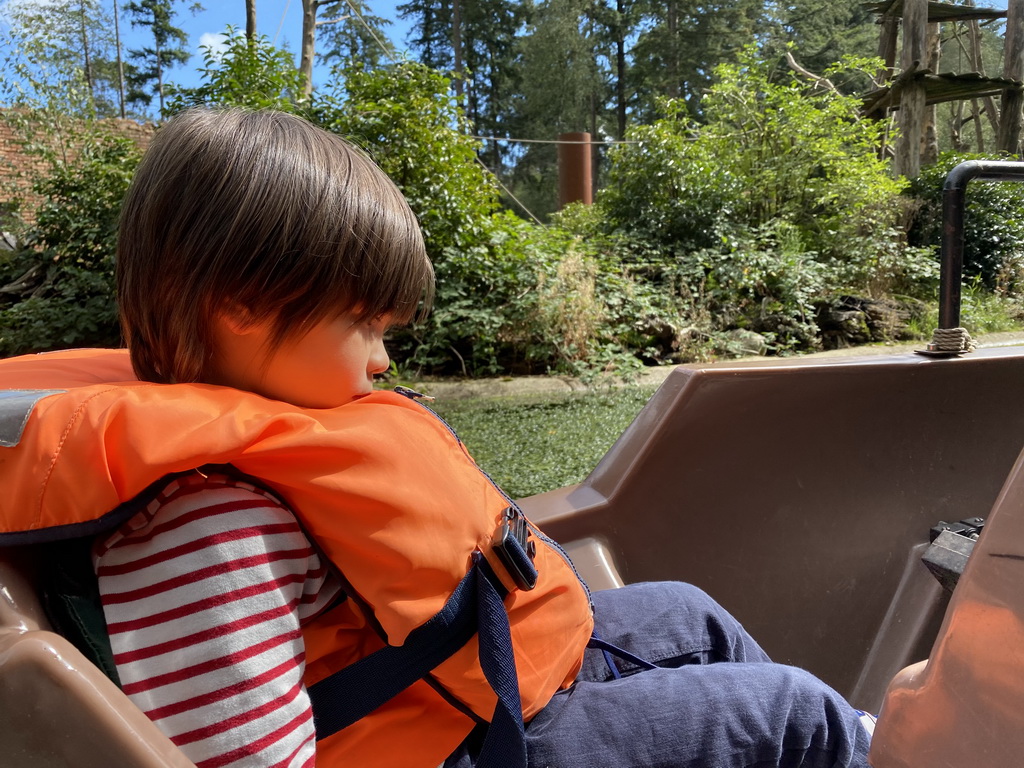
(1011, 121)
(822, 33)
(487, 39)
(681, 43)
(71, 40)
(307, 49)
(613, 22)
(168, 48)
(350, 31)
(561, 39)
(120, 61)
(490, 50)
(971, 47)
(430, 31)
(250, 20)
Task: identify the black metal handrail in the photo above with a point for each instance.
(953, 195)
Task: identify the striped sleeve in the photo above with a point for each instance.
(205, 592)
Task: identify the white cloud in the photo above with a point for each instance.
(215, 41)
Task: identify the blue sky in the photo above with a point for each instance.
(280, 20)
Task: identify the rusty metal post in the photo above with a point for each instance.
(575, 175)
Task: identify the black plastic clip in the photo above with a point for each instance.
(516, 549)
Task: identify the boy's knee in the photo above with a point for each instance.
(658, 594)
(808, 695)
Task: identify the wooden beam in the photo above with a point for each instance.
(929, 131)
(914, 97)
(939, 12)
(887, 40)
(1010, 115)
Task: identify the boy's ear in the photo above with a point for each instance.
(236, 319)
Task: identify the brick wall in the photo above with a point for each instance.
(17, 167)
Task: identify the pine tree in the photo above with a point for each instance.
(430, 33)
(565, 88)
(493, 77)
(487, 72)
(350, 31)
(613, 25)
(168, 49)
(683, 41)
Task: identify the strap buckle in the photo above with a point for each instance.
(516, 549)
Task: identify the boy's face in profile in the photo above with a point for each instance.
(330, 365)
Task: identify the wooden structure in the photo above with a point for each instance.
(919, 86)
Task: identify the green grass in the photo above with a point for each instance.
(531, 444)
(980, 312)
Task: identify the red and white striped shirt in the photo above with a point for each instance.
(205, 592)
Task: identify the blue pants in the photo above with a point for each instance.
(717, 701)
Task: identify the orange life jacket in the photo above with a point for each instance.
(383, 487)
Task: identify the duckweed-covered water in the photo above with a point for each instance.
(531, 444)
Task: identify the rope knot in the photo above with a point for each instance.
(951, 340)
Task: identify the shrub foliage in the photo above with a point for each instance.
(704, 236)
(58, 287)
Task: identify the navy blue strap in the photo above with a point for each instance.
(505, 743)
(475, 607)
(610, 650)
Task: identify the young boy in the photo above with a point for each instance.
(275, 522)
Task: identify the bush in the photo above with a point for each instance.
(772, 148)
(776, 200)
(246, 73)
(405, 116)
(993, 223)
(60, 286)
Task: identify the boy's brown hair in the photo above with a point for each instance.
(263, 214)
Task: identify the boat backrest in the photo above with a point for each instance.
(801, 497)
(57, 709)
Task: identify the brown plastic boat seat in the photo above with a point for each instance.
(800, 496)
(962, 707)
(57, 710)
(592, 558)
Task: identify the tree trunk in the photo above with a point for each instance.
(120, 61)
(309, 8)
(929, 134)
(979, 134)
(595, 157)
(620, 68)
(85, 51)
(159, 76)
(250, 20)
(1013, 68)
(991, 111)
(912, 99)
(672, 21)
(457, 47)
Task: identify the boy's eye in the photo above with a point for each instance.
(383, 323)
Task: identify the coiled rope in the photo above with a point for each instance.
(951, 340)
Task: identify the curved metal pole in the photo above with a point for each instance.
(953, 194)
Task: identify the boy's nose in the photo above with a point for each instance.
(379, 360)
